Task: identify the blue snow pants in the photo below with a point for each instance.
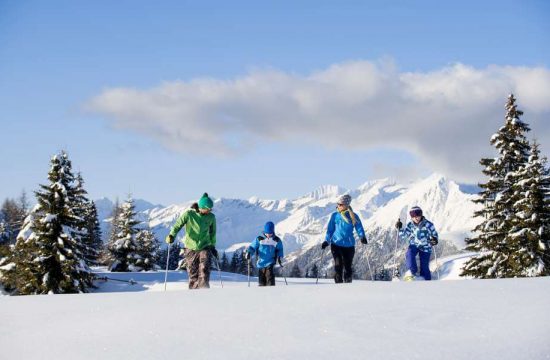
(424, 262)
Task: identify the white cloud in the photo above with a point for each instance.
(445, 116)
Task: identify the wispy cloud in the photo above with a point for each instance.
(444, 116)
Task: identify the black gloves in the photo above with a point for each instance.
(398, 224)
(324, 245)
(247, 255)
(434, 241)
(364, 240)
(279, 261)
(169, 239)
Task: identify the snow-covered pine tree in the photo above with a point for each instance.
(13, 214)
(47, 255)
(148, 252)
(314, 271)
(529, 237)
(94, 234)
(175, 262)
(495, 255)
(81, 208)
(122, 246)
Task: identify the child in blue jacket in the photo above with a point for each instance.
(421, 236)
(340, 237)
(268, 249)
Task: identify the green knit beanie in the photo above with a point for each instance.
(205, 202)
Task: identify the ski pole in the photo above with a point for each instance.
(219, 269)
(320, 264)
(436, 265)
(282, 270)
(368, 263)
(248, 262)
(395, 253)
(167, 262)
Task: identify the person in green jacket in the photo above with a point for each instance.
(200, 241)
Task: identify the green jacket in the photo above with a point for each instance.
(200, 230)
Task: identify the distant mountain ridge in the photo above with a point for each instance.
(301, 222)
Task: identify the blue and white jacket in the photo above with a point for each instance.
(340, 231)
(419, 235)
(267, 250)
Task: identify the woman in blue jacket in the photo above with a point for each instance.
(268, 249)
(421, 236)
(340, 237)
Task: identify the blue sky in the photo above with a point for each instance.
(58, 58)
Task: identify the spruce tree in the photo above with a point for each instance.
(48, 254)
(234, 266)
(122, 245)
(530, 233)
(495, 253)
(224, 262)
(243, 263)
(314, 271)
(147, 251)
(93, 228)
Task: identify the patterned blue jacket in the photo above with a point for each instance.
(340, 231)
(419, 235)
(267, 250)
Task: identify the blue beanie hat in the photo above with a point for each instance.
(269, 228)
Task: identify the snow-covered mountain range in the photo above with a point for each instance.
(301, 222)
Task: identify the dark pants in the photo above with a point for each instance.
(424, 262)
(198, 268)
(343, 260)
(266, 276)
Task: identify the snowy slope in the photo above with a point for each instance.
(476, 319)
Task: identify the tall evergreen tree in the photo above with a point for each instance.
(234, 266)
(13, 214)
(148, 251)
(224, 262)
(495, 254)
(48, 254)
(122, 245)
(529, 237)
(93, 228)
(175, 262)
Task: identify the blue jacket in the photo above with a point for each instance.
(340, 231)
(267, 250)
(419, 235)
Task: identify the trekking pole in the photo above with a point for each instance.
(282, 270)
(368, 263)
(248, 262)
(436, 265)
(395, 253)
(167, 262)
(320, 264)
(219, 269)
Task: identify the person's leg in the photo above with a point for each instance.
(192, 265)
(347, 254)
(270, 275)
(411, 259)
(262, 280)
(425, 265)
(338, 263)
(204, 269)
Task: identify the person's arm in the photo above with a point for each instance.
(213, 232)
(280, 253)
(359, 227)
(178, 225)
(406, 232)
(330, 228)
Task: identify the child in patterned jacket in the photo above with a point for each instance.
(421, 235)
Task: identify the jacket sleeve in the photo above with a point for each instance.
(405, 233)
(280, 253)
(359, 227)
(253, 247)
(213, 232)
(433, 232)
(179, 224)
(330, 228)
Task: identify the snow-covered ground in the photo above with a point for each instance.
(474, 319)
